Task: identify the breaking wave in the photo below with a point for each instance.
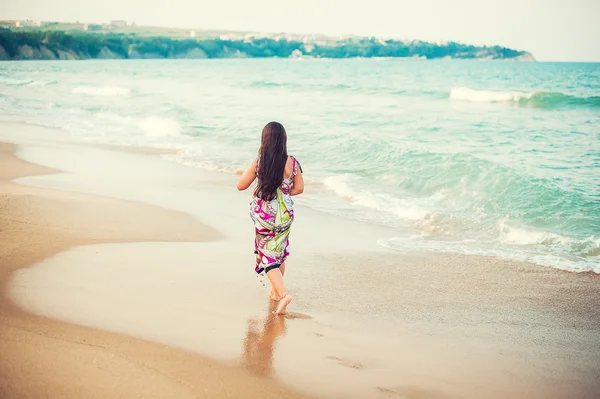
(537, 99)
(102, 91)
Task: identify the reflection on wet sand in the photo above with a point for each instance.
(259, 345)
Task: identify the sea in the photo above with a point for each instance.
(473, 157)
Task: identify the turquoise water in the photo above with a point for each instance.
(490, 158)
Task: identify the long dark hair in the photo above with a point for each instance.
(272, 157)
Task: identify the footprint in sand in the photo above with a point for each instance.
(407, 393)
(294, 315)
(353, 364)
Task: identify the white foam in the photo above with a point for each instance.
(39, 83)
(588, 247)
(23, 82)
(401, 208)
(517, 236)
(466, 94)
(112, 118)
(513, 243)
(388, 178)
(466, 247)
(338, 184)
(190, 158)
(14, 82)
(102, 90)
(156, 126)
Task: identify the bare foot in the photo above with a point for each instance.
(284, 301)
(274, 296)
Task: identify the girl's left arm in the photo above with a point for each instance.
(298, 187)
(247, 177)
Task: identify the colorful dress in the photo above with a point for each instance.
(272, 222)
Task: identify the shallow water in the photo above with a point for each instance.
(471, 157)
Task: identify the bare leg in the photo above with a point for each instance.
(274, 295)
(276, 279)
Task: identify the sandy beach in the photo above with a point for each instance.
(42, 357)
(124, 275)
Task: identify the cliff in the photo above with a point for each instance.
(53, 45)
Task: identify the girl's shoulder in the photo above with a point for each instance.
(295, 165)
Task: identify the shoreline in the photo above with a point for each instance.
(167, 151)
(50, 358)
(505, 249)
(383, 324)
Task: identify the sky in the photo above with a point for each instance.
(552, 30)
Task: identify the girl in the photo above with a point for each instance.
(279, 177)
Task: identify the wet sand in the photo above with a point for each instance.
(365, 322)
(41, 357)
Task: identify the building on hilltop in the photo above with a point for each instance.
(8, 23)
(27, 23)
(92, 27)
(118, 23)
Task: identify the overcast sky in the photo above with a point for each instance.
(553, 30)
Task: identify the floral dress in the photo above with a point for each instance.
(272, 222)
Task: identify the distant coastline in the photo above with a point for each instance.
(72, 42)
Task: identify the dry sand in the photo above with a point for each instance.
(40, 357)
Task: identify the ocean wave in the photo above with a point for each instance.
(555, 258)
(102, 90)
(185, 159)
(305, 86)
(24, 82)
(267, 84)
(342, 186)
(40, 83)
(152, 127)
(537, 99)
(14, 82)
(519, 236)
(588, 247)
(156, 126)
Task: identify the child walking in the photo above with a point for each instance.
(272, 209)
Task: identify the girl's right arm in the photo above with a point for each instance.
(247, 177)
